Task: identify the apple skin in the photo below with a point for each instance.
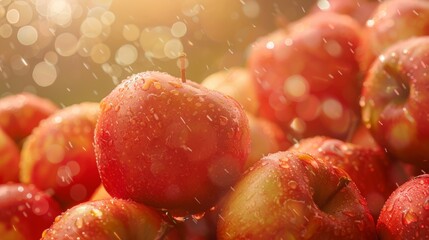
(59, 154)
(25, 212)
(20, 113)
(395, 99)
(279, 198)
(307, 77)
(9, 159)
(168, 144)
(357, 161)
(405, 215)
(389, 24)
(108, 219)
(361, 10)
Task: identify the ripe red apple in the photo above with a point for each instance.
(237, 83)
(9, 159)
(405, 215)
(395, 99)
(292, 195)
(307, 77)
(20, 113)
(362, 137)
(361, 10)
(59, 154)
(170, 143)
(393, 21)
(108, 219)
(25, 212)
(367, 167)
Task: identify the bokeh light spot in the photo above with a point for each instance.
(130, 32)
(108, 18)
(51, 57)
(126, 55)
(27, 35)
(100, 53)
(179, 29)
(323, 4)
(21, 11)
(44, 74)
(5, 30)
(173, 48)
(91, 27)
(12, 16)
(66, 44)
(251, 9)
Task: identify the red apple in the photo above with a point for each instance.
(237, 83)
(362, 137)
(25, 212)
(405, 215)
(307, 77)
(20, 113)
(9, 159)
(395, 101)
(59, 154)
(393, 21)
(361, 10)
(367, 167)
(108, 219)
(292, 195)
(170, 143)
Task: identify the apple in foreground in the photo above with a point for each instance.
(292, 195)
(25, 212)
(393, 21)
(9, 159)
(108, 219)
(59, 154)
(20, 113)
(405, 215)
(395, 101)
(367, 167)
(307, 77)
(170, 143)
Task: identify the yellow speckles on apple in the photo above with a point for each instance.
(401, 135)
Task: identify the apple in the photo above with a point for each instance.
(393, 21)
(108, 219)
(9, 159)
(307, 77)
(237, 83)
(395, 99)
(25, 211)
(361, 10)
(362, 137)
(367, 167)
(170, 143)
(292, 195)
(59, 155)
(20, 113)
(266, 137)
(405, 215)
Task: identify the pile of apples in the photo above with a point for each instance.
(324, 134)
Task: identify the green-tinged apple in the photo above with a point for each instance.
(9, 159)
(237, 83)
(292, 195)
(25, 212)
(393, 21)
(395, 101)
(20, 113)
(109, 219)
(170, 143)
(59, 155)
(368, 167)
(405, 215)
(307, 77)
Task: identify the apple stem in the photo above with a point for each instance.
(342, 183)
(183, 66)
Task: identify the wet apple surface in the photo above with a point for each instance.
(170, 144)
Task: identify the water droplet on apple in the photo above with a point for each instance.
(292, 184)
(409, 217)
(79, 222)
(426, 204)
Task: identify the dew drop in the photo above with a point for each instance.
(409, 217)
(79, 223)
(292, 184)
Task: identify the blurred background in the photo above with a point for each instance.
(78, 50)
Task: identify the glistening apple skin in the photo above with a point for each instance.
(307, 77)
(292, 195)
(405, 215)
(170, 144)
(395, 101)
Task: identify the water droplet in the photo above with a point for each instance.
(223, 120)
(409, 217)
(292, 184)
(426, 204)
(79, 223)
(96, 213)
